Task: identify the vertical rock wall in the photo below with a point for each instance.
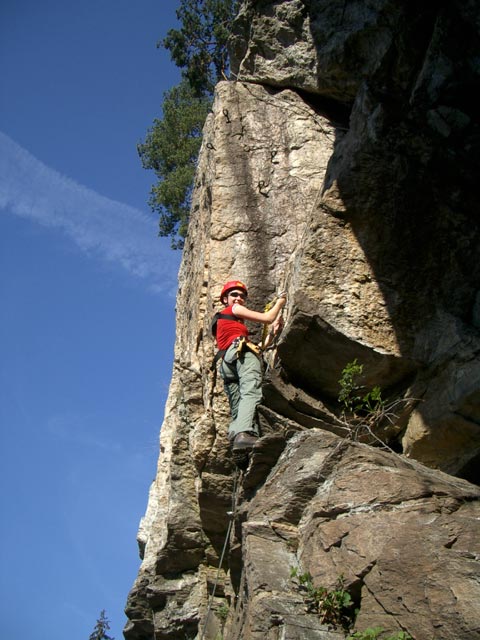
(394, 239)
(261, 168)
(341, 166)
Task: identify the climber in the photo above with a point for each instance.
(241, 365)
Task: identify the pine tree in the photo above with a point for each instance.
(101, 628)
(171, 150)
(199, 48)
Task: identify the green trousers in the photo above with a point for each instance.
(242, 377)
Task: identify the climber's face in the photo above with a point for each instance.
(236, 297)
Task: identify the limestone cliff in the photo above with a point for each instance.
(341, 164)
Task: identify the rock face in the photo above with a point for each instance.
(405, 539)
(341, 165)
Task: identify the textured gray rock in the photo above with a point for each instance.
(348, 178)
(264, 158)
(324, 47)
(404, 537)
(397, 208)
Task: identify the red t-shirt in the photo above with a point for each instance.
(228, 330)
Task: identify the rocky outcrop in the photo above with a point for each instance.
(394, 237)
(341, 165)
(251, 171)
(404, 538)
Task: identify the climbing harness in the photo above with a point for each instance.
(242, 343)
(231, 516)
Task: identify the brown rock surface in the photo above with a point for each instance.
(341, 166)
(404, 537)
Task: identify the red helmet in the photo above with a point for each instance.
(233, 284)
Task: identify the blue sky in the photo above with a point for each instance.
(86, 307)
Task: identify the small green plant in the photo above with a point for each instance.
(365, 414)
(373, 401)
(222, 612)
(333, 606)
(350, 397)
(292, 544)
(348, 385)
(374, 633)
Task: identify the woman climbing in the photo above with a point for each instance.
(241, 366)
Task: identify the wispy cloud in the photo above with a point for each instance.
(107, 229)
(80, 431)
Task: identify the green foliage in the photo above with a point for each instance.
(171, 149)
(374, 633)
(348, 384)
(292, 544)
(372, 401)
(199, 47)
(333, 606)
(350, 397)
(222, 612)
(101, 628)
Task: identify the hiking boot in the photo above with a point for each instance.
(244, 441)
(241, 458)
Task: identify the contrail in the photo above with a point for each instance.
(101, 227)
